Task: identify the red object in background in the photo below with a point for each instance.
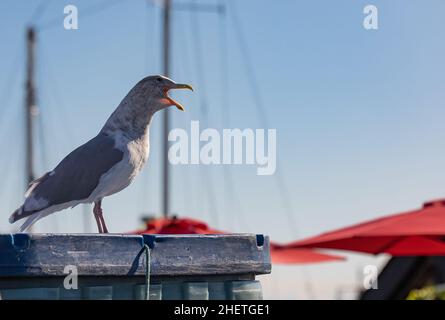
(279, 254)
(176, 226)
(284, 255)
(414, 233)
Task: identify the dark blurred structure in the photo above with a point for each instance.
(402, 275)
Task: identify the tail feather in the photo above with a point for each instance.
(16, 215)
(31, 218)
(30, 221)
(21, 213)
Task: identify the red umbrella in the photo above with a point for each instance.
(412, 233)
(279, 253)
(176, 225)
(284, 255)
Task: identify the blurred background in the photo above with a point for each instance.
(358, 113)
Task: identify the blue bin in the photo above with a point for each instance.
(113, 267)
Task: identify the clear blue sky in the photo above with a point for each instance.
(359, 114)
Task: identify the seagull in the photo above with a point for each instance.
(106, 164)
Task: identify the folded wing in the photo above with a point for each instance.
(74, 179)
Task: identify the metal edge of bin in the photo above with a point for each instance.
(209, 254)
(119, 255)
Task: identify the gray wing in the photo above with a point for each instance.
(74, 178)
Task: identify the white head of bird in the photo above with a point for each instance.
(148, 96)
(156, 88)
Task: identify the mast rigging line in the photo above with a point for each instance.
(55, 95)
(258, 99)
(189, 196)
(259, 103)
(9, 118)
(205, 174)
(39, 11)
(229, 185)
(5, 97)
(7, 166)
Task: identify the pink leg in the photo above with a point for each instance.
(96, 216)
(99, 217)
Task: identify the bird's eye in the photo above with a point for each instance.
(159, 79)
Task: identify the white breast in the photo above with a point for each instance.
(122, 174)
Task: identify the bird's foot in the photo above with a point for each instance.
(104, 227)
(98, 222)
(98, 215)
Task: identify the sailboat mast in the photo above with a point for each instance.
(30, 103)
(166, 121)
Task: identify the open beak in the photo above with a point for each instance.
(177, 86)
